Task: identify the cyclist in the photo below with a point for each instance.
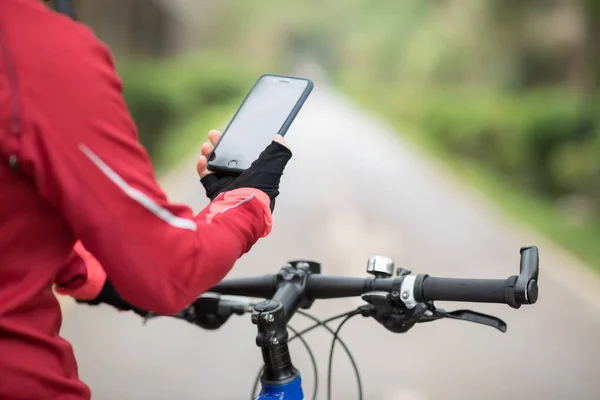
(84, 279)
(73, 174)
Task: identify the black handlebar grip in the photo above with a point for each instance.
(468, 290)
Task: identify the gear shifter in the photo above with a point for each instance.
(395, 317)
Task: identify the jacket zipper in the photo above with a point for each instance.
(15, 120)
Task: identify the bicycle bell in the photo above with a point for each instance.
(380, 266)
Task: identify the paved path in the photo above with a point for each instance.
(353, 190)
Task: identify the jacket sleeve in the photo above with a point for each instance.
(79, 145)
(82, 276)
(84, 279)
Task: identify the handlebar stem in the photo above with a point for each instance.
(269, 316)
(291, 289)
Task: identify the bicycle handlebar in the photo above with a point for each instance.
(300, 283)
(397, 303)
(426, 288)
(317, 286)
(514, 291)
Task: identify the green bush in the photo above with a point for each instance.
(531, 138)
(161, 95)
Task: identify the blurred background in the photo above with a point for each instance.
(504, 91)
(444, 133)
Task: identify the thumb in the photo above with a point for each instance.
(279, 139)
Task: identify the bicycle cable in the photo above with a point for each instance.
(348, 315)
(321, 323)
(330, 363)
(312, 359)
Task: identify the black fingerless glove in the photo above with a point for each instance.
(264, 174)
(216, 183)
(108, 295)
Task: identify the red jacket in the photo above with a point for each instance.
(71, 168)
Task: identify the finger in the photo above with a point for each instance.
(214, 136)
(202, 167)
(206, 149)
(281, 140)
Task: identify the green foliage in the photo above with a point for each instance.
(491, 84)
(523, 136)
(161, 95)
(577, 169)
(507, 87)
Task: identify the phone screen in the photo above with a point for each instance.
(261, 116)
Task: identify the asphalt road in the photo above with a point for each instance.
(353, 190)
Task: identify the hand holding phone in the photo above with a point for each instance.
(264, 174)
(268, 109)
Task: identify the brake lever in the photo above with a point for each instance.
(210, 311)
(473, 316)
